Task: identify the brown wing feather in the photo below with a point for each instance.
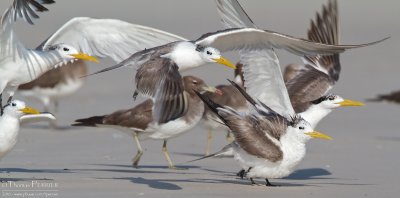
(325, 30)
(250, 135)
(307, 86)
(291, 71)
(161, 79)
(137, 117)
(230, 97)
(56, 76)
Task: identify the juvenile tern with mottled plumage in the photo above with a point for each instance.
(139, 120)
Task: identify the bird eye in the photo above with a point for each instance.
(301, 128)
(331, 97)
(195, 82)
(13, 104)
(65, 49)
(209, 53)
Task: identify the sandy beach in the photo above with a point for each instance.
(362, 160)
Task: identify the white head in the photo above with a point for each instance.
(18, 108)
(333, 101)
(189, 55)
(302, 130)
(212, 55)
(69, 53)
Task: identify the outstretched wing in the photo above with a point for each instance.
(260, 66)
(111, 38)
(263, 80)
(233, 15)
(10, 46)
(325, 29)
(256, 39)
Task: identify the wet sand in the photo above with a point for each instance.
(361, 161)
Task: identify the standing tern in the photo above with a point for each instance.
(267, 144)
(54, 85)
(139, 120)
(16, 112)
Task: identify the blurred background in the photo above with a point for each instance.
(366, 140)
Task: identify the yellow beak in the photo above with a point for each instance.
(347, 103)
(29, 110)
(316, 134)
(225, 62)
(86, 57)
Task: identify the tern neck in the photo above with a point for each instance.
(293, 149)
(184, 54)
(314, 114)
(7, 122)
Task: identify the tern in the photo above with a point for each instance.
(16, 112)
(267, 144)
(139, 120)
(20, 65)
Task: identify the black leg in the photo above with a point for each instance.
(9, 99)
(135, 94)
(252, 181)
(241, 173)
(1, 104)
(267, 183)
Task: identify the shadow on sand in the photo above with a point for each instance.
(308, 173)
(24, 170)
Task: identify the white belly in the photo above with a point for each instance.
(266, 169)
(59, 91)
(171, 129)
(8, 137)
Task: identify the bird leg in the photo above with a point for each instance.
(53, 123)
(56, 104)
(252, 181)
(267, 183)
(9, 99)
(1, 104)
(209, 137)
(166, 155)
(136, 159)
(135, 94)
(229, 137)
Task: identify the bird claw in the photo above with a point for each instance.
(241, 174)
